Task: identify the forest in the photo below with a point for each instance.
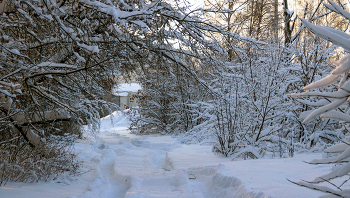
(252, 78)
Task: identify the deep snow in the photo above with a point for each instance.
(119, 164)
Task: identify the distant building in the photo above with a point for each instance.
(124, 95)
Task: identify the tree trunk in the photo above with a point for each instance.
(287, 29)
(275, 20)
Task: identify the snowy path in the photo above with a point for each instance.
(142, 166)
(154, 166)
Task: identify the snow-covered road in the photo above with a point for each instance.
(119, 164)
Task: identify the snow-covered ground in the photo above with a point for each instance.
(119, 164)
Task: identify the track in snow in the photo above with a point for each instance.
(141, 167)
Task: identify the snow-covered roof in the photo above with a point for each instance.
(122, 94)
(127, 87)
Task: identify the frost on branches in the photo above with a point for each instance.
(231, 90)
(337, 107)
(58, 60)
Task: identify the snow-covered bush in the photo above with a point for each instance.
(265, 75)
(254, 105)
(22, 162)
(311, 60)
(335, 106)
(225, 119)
